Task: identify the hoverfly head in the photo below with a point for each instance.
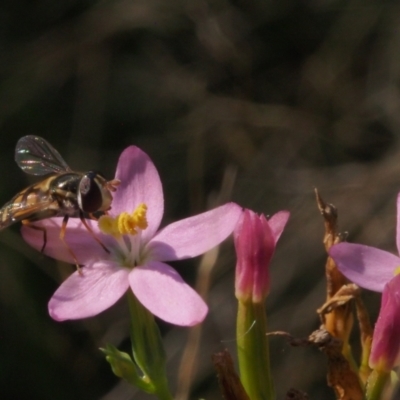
(92, 195)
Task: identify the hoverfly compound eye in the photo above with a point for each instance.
(84, 185)
(90, 196)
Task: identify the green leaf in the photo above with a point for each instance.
(123, 367)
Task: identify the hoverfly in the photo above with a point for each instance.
(63, 192)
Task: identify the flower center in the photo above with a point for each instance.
(124, 223)
(396, 271)
(126, 229)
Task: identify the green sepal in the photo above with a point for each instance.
(123, 367)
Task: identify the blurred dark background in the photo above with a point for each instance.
(257, 101)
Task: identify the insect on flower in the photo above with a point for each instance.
(62, 193)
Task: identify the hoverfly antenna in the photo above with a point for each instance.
(112, 185)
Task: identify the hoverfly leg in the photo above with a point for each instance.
(38, 228)
(87, 226)
(62, 238)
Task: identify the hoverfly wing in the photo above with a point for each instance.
(36, 156)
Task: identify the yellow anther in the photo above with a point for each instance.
(107, 224)
(124, 223)
(139, 216)
(396, 271)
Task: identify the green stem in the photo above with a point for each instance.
(147, 348)
(253, 351)
(376, 384)
(348, 354)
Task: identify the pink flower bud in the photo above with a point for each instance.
(255, 240)
(386, 339)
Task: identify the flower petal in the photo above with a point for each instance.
(398, 224)
(85, 294)
(140, 183)
(366, 266)
(277, 223)
(385, 342)
(164, 293)
(193, 236)
(77, 238)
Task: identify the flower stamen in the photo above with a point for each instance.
(107, 225)
(125, 223)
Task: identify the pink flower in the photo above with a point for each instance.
(255, 241)
(138, 250)
(386, 339)
(368, 267)
(377, 270)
